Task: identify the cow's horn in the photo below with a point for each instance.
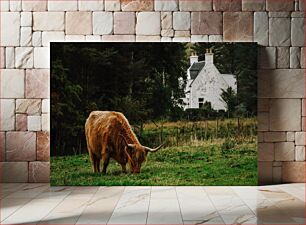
(154, 149)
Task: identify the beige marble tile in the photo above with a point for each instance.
(209, 219)
(82, 192)
(85, 189)
(240, 214)
(61, 218)
(296, 190)
(254, 205)
(68, 211)
(227, 204)
(195, 204)
(11, 187)
(164, 212)
(273, 214)
(230, 206)
(101, 206)
(164, 207)
(219, 191)
(55, 193)
(29, 191)
(274, 194)
(32, 212)
(245, 192)
(293, 208)
(163, 193)
(132, 207)
(8, 206)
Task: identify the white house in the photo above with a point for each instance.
(205, 83)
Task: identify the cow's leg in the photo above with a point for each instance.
(93, 161)
(96, 163)
(105, 158)
(123, 168)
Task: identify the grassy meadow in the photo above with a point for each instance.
(214, 152)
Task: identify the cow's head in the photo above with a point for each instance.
(137, 154)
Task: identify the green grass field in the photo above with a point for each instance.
(218, 162)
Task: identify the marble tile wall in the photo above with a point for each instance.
(28, 27)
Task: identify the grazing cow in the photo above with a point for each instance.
(109, 135)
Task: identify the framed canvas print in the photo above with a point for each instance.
(153, 114)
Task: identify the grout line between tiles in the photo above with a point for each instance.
(254, 212)
(178, 201)
(116, 204)
(55, 207)
(18, 189)
(93, 195)
(29, 202)
(214, 205)
(149, 205)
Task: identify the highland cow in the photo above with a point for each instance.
(109, 135)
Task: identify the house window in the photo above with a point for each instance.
(201, 102)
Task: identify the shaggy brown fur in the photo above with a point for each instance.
(109, 135)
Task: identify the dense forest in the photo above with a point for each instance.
(139, 79)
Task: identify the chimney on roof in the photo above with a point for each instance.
(193, 58)
(209, 56)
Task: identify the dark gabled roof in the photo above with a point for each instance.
(195, 69)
